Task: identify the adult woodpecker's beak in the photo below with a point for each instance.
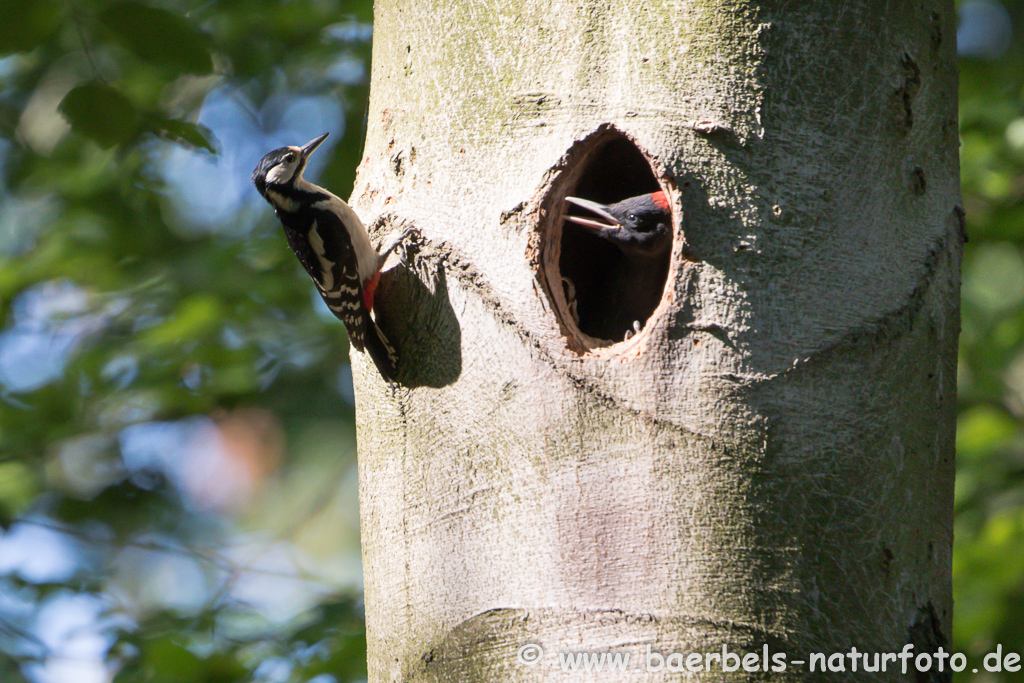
(600, 209)
(308, 148)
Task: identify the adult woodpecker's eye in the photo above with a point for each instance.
(289, 158)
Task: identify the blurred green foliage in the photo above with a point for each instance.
(176, 426)
(988, 565)
(122, 306)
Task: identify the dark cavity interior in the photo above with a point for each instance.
(613, 297)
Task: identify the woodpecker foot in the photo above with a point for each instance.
(394, 240)
(569, 290)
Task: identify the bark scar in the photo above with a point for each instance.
(891, 323)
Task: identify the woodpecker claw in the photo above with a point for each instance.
(569, 289)
(395, 239)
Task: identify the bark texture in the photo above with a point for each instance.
(770, 461)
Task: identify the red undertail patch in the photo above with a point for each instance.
(369, 287)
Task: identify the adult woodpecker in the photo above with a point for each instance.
(641, 228)
(332, 245)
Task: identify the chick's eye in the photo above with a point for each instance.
(632, 217)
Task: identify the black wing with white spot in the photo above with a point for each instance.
(323, 246)
(335, 272)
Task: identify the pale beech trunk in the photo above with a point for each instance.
(769, 462)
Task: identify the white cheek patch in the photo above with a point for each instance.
(280, 174)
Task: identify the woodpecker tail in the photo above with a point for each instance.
(381, 351)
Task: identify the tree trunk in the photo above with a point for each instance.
(768, 464)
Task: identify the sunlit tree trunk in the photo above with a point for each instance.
(768, 463)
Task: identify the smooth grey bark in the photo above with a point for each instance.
(770, 461)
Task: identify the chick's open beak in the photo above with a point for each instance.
(599, 209)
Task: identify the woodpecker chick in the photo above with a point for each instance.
(623, 293)
(640, 226)
(331, 244)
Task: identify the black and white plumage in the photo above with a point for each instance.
(332, 245)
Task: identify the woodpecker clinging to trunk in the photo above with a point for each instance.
(641, 228)
(332, 245)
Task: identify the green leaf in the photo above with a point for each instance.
(982, 430)
(158, 36)
(195, 317)
(24, 24)
(190, 135)
(171, 661)
(18, 486)
(10, 670)
(100, 112)
(165, 660)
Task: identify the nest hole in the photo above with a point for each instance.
(609, 292)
